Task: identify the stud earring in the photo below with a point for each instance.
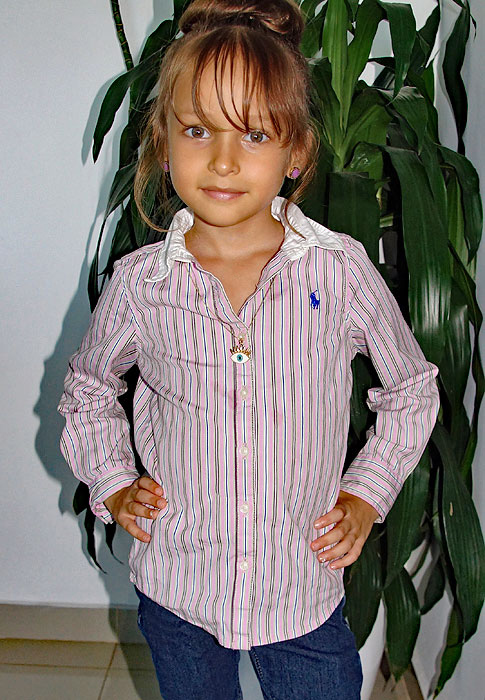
(166, 166)
(294, 173)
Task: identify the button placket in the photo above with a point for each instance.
(244, 497)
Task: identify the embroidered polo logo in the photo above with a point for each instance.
(315, 299)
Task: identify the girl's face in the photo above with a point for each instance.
(250, 167)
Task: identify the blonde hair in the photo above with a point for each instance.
(265, 35)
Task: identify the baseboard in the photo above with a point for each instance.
(69, 624)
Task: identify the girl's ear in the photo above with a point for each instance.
(300, 155)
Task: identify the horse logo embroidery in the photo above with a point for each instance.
(315, 299)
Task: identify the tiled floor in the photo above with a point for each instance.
(49, 670)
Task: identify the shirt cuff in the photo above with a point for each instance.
(374, 483)
(106, 487)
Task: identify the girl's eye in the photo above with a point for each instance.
(260, 136)
(196, 132)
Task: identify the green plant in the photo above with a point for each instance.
(384, 178)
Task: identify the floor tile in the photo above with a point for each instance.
(127, 627)
(47, 683)
(49, 653)
(379, 690)
(130, 685)
(136, 657)
(50, 622)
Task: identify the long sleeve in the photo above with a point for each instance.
(96, 439)
(407, 403)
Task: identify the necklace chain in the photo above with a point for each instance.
(239, 353)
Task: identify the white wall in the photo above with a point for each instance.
(57, 59)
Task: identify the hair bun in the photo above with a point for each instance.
(282, 17)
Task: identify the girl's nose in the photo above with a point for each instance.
(224, 156)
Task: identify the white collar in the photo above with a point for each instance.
(310, 233)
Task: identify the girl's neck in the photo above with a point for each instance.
(233, 242)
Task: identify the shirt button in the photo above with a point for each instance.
(244, 393)
(244, 566)
(244, 508)
(244, 450)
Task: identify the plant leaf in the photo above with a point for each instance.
(93, 290)
(308, 8)
(368, 121)
(411, 105)
(178, 8)
(312, 36)
(403, 35)
(369, 14)
(326, 104)
(363, 589)
(354, 5)
(452, 65)
(456, 220)
(425, 241)
(434, 171)
(157, 40)
(155, 49)
(367, 158)
(334, 47)
(130, 138)
(123, 241)
(472, 203)
(353, 208)
(468, 288)
(458, 349)
(404, 519)
(384, 79)
(454, 371)
(120, 188)
(425, 84)
(458, 515)
(453, 649)
(435, 587)
(403, 621)
(114, 98)
(425, 41)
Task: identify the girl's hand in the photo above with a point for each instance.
(144, 497)
(352, 519)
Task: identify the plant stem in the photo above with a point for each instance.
(120, 31)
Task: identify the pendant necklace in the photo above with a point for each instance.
(240, 353)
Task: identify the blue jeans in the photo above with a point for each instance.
(191, 664)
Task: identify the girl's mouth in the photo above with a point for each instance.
(223, 195)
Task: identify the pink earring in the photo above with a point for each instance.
(294, 173)
(166, 166)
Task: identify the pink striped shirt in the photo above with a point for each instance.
(249, 454)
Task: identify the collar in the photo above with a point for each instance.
(307, 233)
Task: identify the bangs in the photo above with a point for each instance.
(268, 100)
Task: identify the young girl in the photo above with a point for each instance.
(243, 324)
